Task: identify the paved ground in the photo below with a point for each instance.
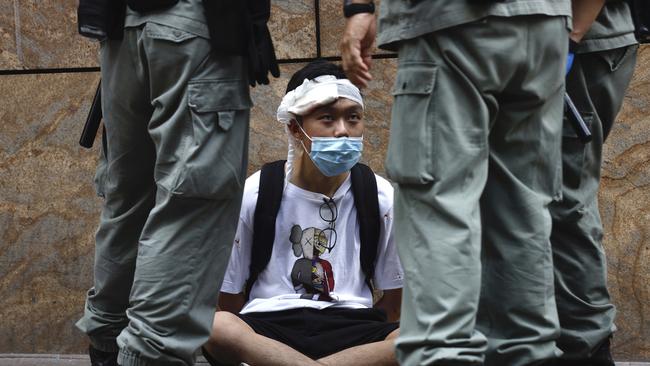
(57, 360)
(82, 360)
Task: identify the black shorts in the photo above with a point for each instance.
(319, 333)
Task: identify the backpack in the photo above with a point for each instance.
(364, 189)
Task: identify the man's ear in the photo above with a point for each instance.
(295, 129)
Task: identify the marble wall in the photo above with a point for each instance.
(48, 210)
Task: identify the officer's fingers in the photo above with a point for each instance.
(350, 50)
(366, 58)
(359, 77)
(355, 68)
(350, 54)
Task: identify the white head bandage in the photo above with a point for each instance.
(320, 91)
(312, 94)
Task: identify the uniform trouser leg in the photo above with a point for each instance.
(176, 123)
(597, 84)
(474, 150)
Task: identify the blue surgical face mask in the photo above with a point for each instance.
(334, 155)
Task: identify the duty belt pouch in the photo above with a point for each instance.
(145, 6)
(239, 27)
(101, 19)
(229, 26)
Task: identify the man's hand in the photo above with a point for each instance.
(584, 14)
(356, 47)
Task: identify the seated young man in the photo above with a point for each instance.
(312, 303)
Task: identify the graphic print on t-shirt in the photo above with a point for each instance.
(311, 275)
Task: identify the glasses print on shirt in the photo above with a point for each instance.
(311, 275)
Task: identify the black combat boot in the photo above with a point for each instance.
(101, 358)
(602, 357)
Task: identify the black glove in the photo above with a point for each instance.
(261, 54)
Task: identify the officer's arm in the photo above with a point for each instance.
(356, 46)
(231, 302)
(584, 14)
(391, 303)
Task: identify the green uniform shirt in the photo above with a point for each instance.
(612, 29)
(400, 19)
(187, 15)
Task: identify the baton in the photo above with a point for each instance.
(575, 118)
(92, 121)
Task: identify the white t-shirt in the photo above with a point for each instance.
(315, 260)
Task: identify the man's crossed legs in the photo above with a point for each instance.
(303, 337)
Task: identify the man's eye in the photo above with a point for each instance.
(326, 117)
(354, 117)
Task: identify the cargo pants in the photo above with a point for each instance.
(596, 84)
(474, 152)
(172, 176)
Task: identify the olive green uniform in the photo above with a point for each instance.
(601, 72)
(475, 154)
(172, 173)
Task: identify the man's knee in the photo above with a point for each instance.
(227, 329)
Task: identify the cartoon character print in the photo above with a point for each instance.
(311, 274)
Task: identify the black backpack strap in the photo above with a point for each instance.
(364, 189)
(269, 198)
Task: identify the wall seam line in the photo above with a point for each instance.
(19, 38)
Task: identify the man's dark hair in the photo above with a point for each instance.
(313, 70)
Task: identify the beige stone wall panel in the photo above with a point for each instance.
(43, 34)
(332, 24)
(625, 210)
(48, 211)
(293, 29)
(50, 38)
(9, 58)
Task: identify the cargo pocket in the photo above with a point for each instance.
(617, 57)
(166, 33)
(410, 149)
(214, 165)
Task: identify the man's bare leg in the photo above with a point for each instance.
(233, 341)
(380, 353)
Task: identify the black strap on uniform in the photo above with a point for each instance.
(364, 189)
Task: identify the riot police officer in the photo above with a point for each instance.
(602, 69)
(474, 153)
(176, 116)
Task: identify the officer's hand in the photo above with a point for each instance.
(356, 47)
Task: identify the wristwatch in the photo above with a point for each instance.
(350, 8)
